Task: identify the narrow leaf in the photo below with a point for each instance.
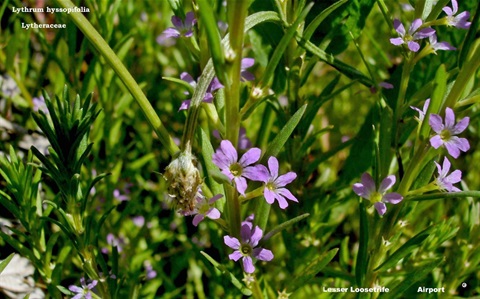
(228, 274)
(405, 249)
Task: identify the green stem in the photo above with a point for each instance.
(116, 64)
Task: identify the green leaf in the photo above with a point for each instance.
(436, 101)
(311, 270)
(207, 19)
(181, 82)
(277, 144)
(362, 256)
(215, 177)
(320, 17)
(282, 46)
(342, 67)
(284, 225)
(65, 290)
(4, 263)
(228, 275)
(414, 277)
(405, 249)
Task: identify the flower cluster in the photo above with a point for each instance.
(239, 170)
(416, 33)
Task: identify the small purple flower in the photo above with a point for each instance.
(119, 196)
(368, 190)
(446, 133)
(139, 221)
(114, 242)
(85, 291)
(412, 36)
(214, 85)
(204, 208)
(226, 158)
(444, 181)
(445, 46)
(150, 273)
(246, 75)
(245, 249)
(181, 28)
(458, 21)
(423, 112)
(384, 85)
(39, 104)
(274, 184)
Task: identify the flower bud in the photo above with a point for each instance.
(184, 181)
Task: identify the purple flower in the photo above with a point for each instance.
(138, 220)
(150, 273)
(446, 133)
(412, 35)
(460, 20)
(245, 249)
(204, 208)
(444, 181)
(384, 85)
(84, 291)
(39, 104)
(181, 28)
(423, 112)
(214, 85)
(114, 242)
(119, 196)
(368, 190)
(274, 184)
(246, 75)
(445, 46)
(226, 158)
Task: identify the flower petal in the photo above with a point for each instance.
(248, 264)
(229, 151)
(256, 236)
(461, 126)
(286, 193)
(269, 195)
(282, 202)
(435, 121)
(190, 19)
(454, 177)
(415, 25)
(452, 149)
(197, 219)
(235, 256)
(424, 33)
(448, 11)
(246, 232)
(263, 254)
(393, 198)
(213, 213)
(449, 118)
(380, 207)
(273, 166)
(75, 289)
(241, 184)
(231, 242)
(399, 27)
(257, 173)
(397, 41)
(387, 183)
(413, 46)
(285, 179)
(250, 157)
(368, 182)
(436, 141)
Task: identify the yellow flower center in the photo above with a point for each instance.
(376, 197)
(445, 134)
(236, 169)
